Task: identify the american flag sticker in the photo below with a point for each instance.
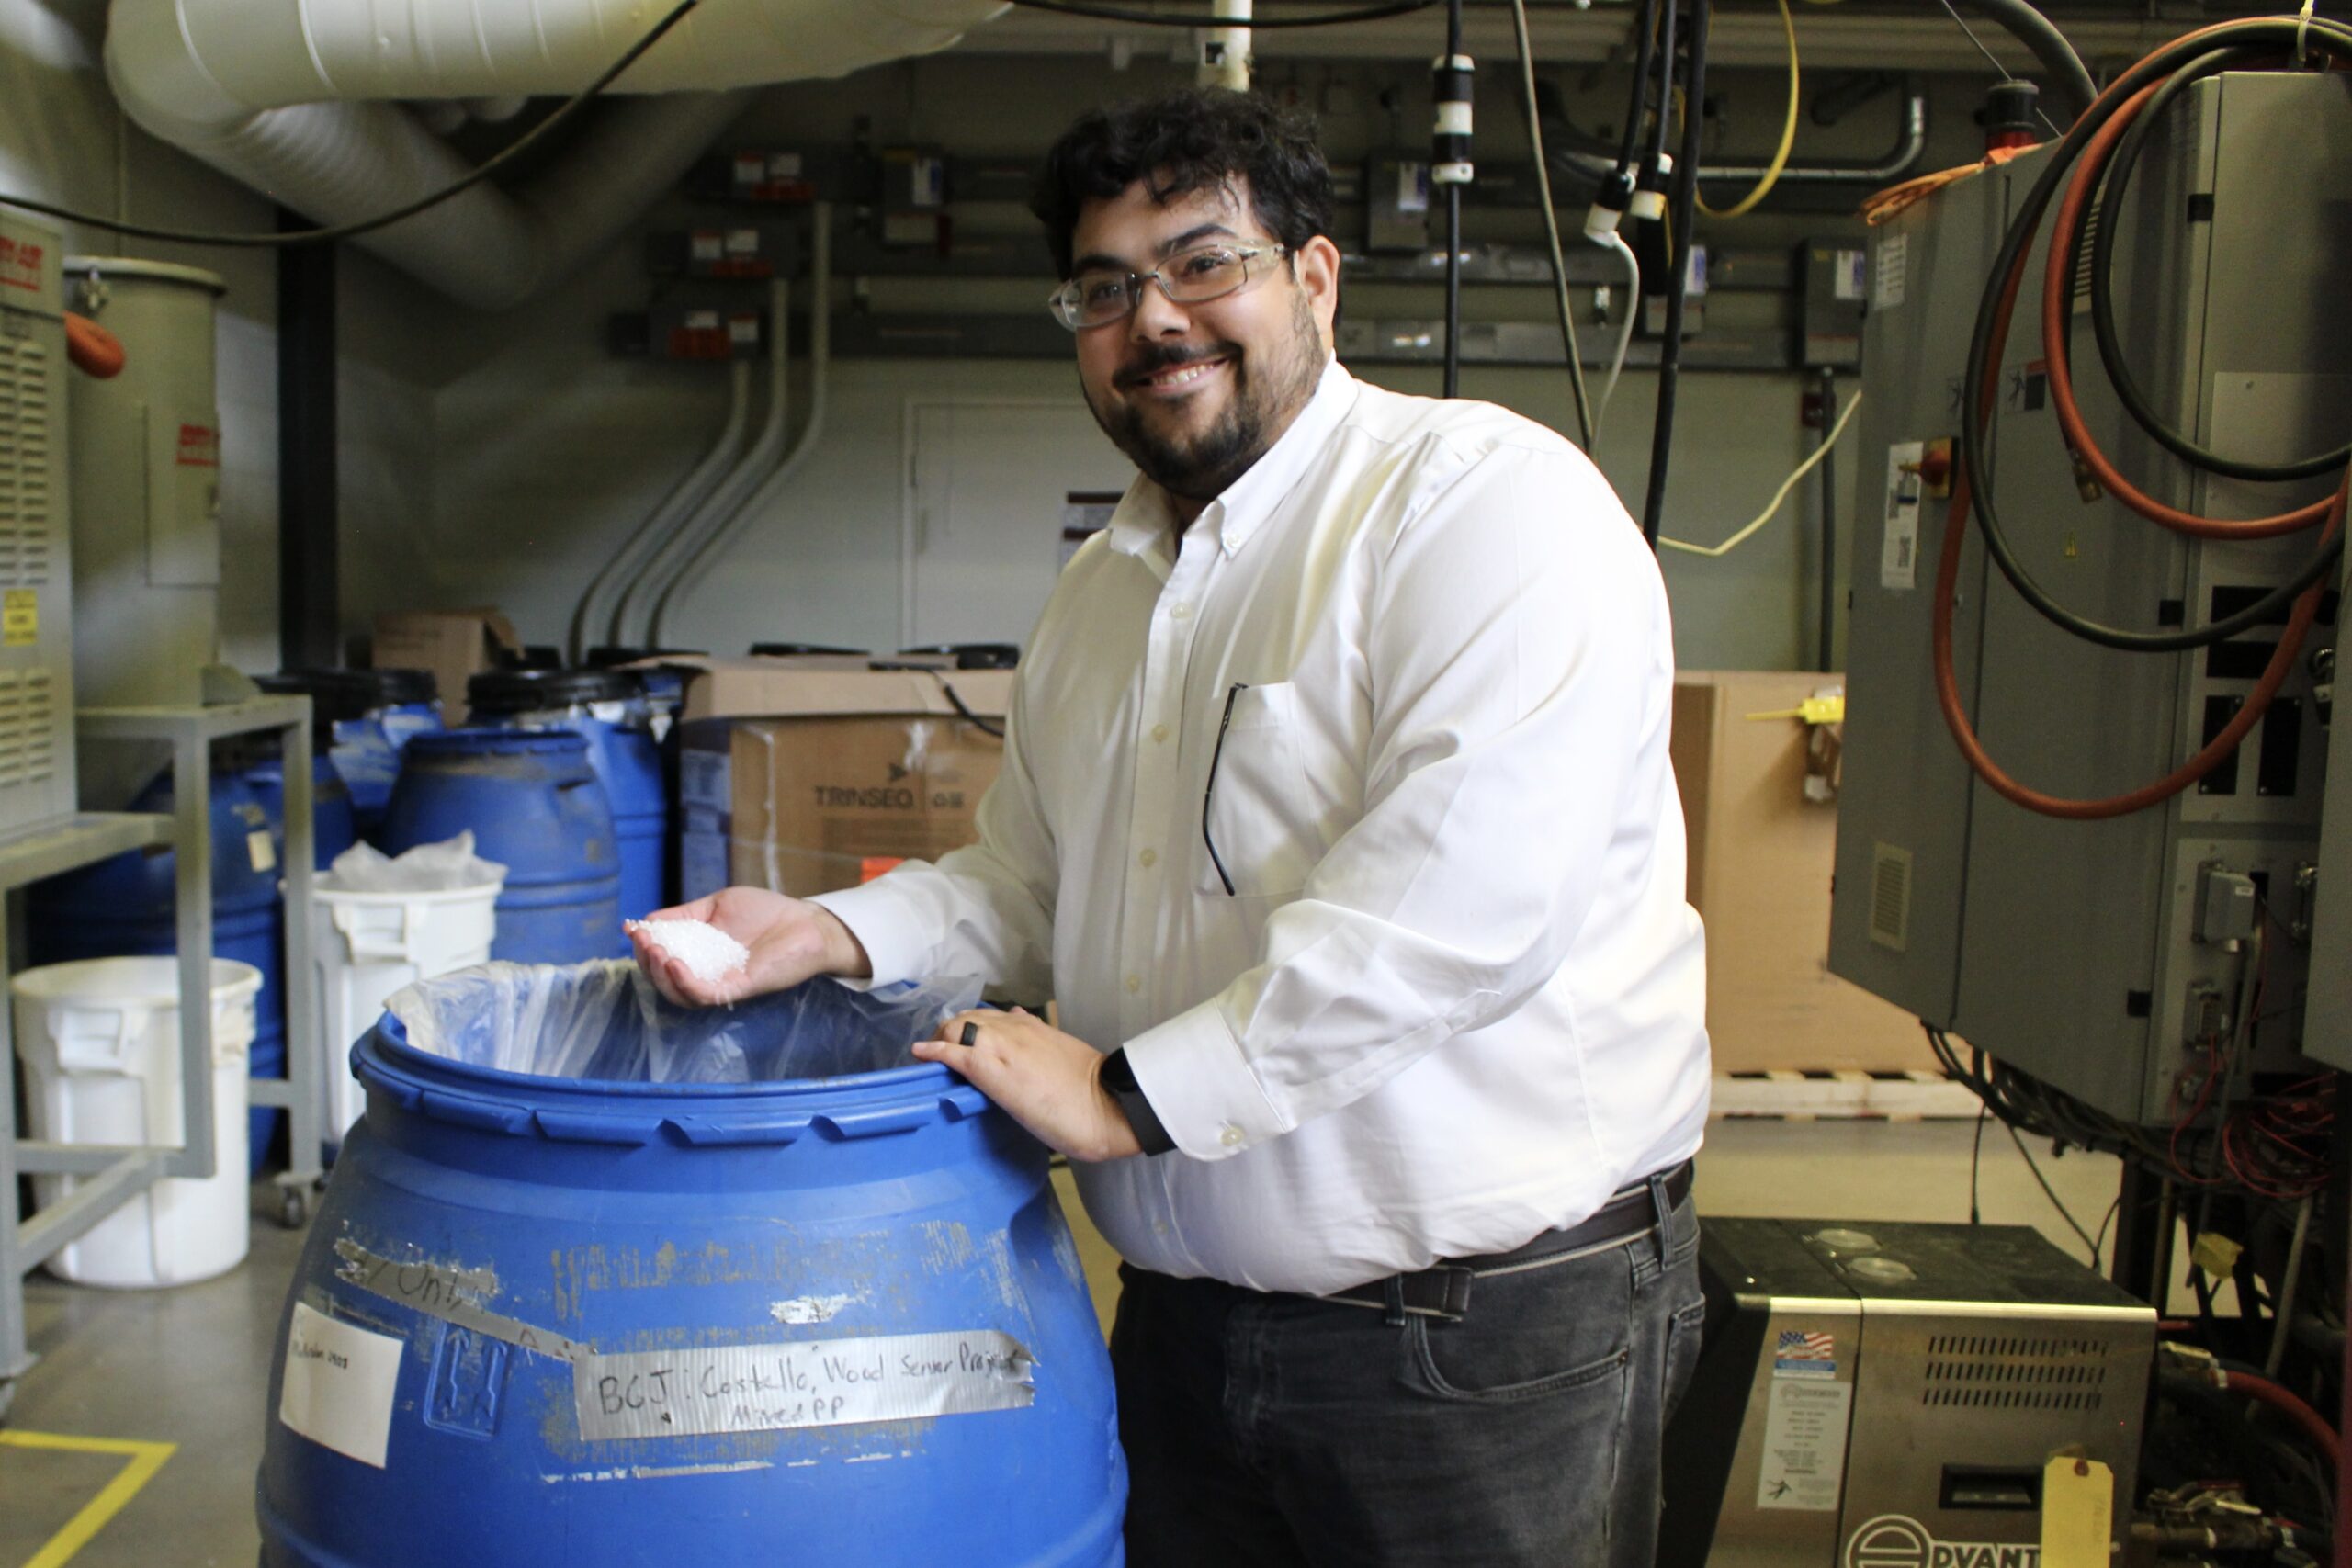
(1805, 1353)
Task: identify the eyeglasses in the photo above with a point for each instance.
(1208, 796)
(1100, 295)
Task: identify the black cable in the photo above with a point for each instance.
(2020, 234)
(1645, 35)
(2052, 1193)
(2036, 31)
(1976, 1160)
(1652, 175)
(1686, 197)
(521, 145)
(1256, 24)
(1452, 220)
(2119, 172)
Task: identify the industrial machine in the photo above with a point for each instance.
(2123, 959)
(1886, 1395)
(36, 602)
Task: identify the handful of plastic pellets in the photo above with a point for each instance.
(708, 952)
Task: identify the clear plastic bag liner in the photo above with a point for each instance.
(604, 1020)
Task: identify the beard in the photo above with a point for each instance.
(1267, 393)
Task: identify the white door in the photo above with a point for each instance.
(989, 481)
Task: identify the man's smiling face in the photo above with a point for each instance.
(1195, 394)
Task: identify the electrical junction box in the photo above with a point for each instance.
(730, 250)
(1885, 1395)
(37, 777)
(1397, 204)
(689, 332)
(1835, 283)
(2075, 951)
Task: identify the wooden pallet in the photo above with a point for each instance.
(1790, 1095)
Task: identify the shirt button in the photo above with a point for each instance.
(1183, 610)
(1135, 982)
(1231, 1136)
(1160, 732)
(1149, 858)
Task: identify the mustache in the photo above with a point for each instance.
(1152, 361)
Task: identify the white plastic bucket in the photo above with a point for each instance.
(100, 1040)
(369, 945)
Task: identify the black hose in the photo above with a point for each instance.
(2102, 290)
(2022, 228)
(2034, 30)
(1686, 201)
(1645, 35)
(1453, 232)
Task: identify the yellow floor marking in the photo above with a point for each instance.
(146, 1459)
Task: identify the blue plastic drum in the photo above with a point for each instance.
(368, 717)
(536, 807)
(587, 1325)
(125, 905)
(333, 827)
(608, 708)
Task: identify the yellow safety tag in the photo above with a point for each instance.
(1813, 710)
(20, 618)
(2078, 1512)
(2216, 1254)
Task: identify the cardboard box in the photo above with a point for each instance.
(1761, 861)
(818, 773)
(453, 644)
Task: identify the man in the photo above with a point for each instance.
(1336, 808)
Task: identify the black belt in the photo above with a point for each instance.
(1442, 1290)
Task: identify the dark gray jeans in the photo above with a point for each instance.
(1279, 1431)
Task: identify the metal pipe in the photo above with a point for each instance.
(1826, 390)
(820, 342)
(684, 496)
(757, 462)
(1910, 145)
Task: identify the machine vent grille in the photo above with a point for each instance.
(27, 730)
(2091, 216)
(1994, 1372)
(1890, 896)
(27, 504)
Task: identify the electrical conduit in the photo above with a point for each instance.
(820, 342)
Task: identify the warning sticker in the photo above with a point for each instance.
(20, 618)
(1804, 1446)
(1898, 561)
(1892, 279)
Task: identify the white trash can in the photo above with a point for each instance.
(100, 1040)
(367, 946)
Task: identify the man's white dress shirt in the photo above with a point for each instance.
(1455, 995)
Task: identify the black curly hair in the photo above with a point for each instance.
(1192, 139)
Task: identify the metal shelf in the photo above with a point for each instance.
(107, 1178)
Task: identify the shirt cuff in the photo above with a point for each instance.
(896, 938)
(1199, 1084)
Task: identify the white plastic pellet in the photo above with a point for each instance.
(708, 952)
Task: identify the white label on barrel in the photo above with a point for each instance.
(806, 1383)
(338, 1387)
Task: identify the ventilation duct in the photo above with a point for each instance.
(302, 99)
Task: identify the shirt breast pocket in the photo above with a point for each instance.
(1258, 834)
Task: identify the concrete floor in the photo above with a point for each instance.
(189, 1366)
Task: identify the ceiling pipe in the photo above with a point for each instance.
(301, 98)
(684, 496)
(1910, 144)
(820, 342)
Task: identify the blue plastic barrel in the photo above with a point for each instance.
(333, 827)
(607, 708)
(722, 1286)
(125, 905)
(368, 717)
(536, 807)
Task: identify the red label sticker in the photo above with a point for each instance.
(200, 446)
(872, 866)
(20, 264)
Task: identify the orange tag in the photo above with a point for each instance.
(872, 866)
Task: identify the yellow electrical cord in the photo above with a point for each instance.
(1788, 132)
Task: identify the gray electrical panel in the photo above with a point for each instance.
(36, 602)
(2096, 954)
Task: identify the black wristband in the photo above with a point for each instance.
(1119, 1082)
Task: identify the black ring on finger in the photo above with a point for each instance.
(971, 1035)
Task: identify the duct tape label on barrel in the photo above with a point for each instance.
(814, 1382)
